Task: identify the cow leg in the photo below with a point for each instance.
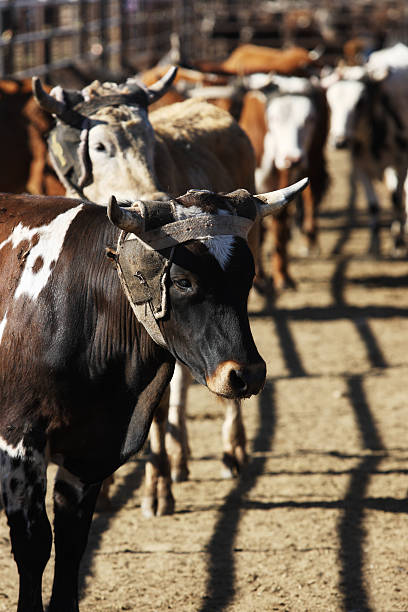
(234, 441)
(309, 226)
(23, 486)
(158, 498)
(281, 277)
(398, 224)
(353, 189)
(176, 437)
(74, 504)
(280, 228)
(374, 212)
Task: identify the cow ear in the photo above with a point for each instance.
(127, 219)
(273, 201)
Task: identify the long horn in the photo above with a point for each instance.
(124, 218)
(158, 89)
(47, 102)
(56, 107)
(275, 200)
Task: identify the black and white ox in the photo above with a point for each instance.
(80, 376)
(369, 117)
(105, 140)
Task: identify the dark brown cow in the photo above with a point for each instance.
(23, 154)
(83, 368)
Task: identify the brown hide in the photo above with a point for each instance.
(248, 59)
(23, 155)
(149, 77)
(253, 121)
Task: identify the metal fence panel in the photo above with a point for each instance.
(38, 36)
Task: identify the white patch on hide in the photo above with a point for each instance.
(3, 324)
(290, 121)
(219, 246)
(342, 98)
(48, 247)
(16, 452)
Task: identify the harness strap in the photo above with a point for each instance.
(144, 312)
(200, 227)
(169, 235)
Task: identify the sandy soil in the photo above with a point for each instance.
(319, 520)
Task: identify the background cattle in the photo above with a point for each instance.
(368, 115)
(23, 154)
(287, 122)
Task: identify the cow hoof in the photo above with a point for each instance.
(374, 248)
(232, 465)
(103, 504)
(285, 284)
(148, 506)
(165, 505)
(399, 252)
(180, 474)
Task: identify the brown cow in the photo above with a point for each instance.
(23, 156)
(248, 59)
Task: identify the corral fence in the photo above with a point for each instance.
(39, 36)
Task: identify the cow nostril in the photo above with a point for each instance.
(237, 381)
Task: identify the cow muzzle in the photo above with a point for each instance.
(234, 380)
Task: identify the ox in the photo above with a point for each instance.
(23, 156)
(369, 116)
(104, 137)
(81, 375)
(250, 59)
(287, 122)
(286, 119)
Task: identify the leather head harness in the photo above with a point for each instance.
(144, 260)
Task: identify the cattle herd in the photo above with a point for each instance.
(128, 266)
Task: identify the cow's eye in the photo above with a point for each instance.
(100, 147)
(182, 284)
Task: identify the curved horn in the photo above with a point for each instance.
(47, 102)
(158, 89)
(275, 200)
(124, 218)
(56, 107)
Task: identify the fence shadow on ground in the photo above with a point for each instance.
(220, 586)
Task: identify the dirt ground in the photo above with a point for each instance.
(319, 520)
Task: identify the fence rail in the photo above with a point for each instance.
(39, 36)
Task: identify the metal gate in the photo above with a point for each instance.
(38, 36)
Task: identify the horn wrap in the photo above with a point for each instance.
(273, 201)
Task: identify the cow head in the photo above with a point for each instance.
(291, 119)
(103, 137)
(345, 89)
(186, 269)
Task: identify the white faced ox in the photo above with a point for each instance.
(80, 375)
(105, 140)
(297, 123)
(369, 118)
